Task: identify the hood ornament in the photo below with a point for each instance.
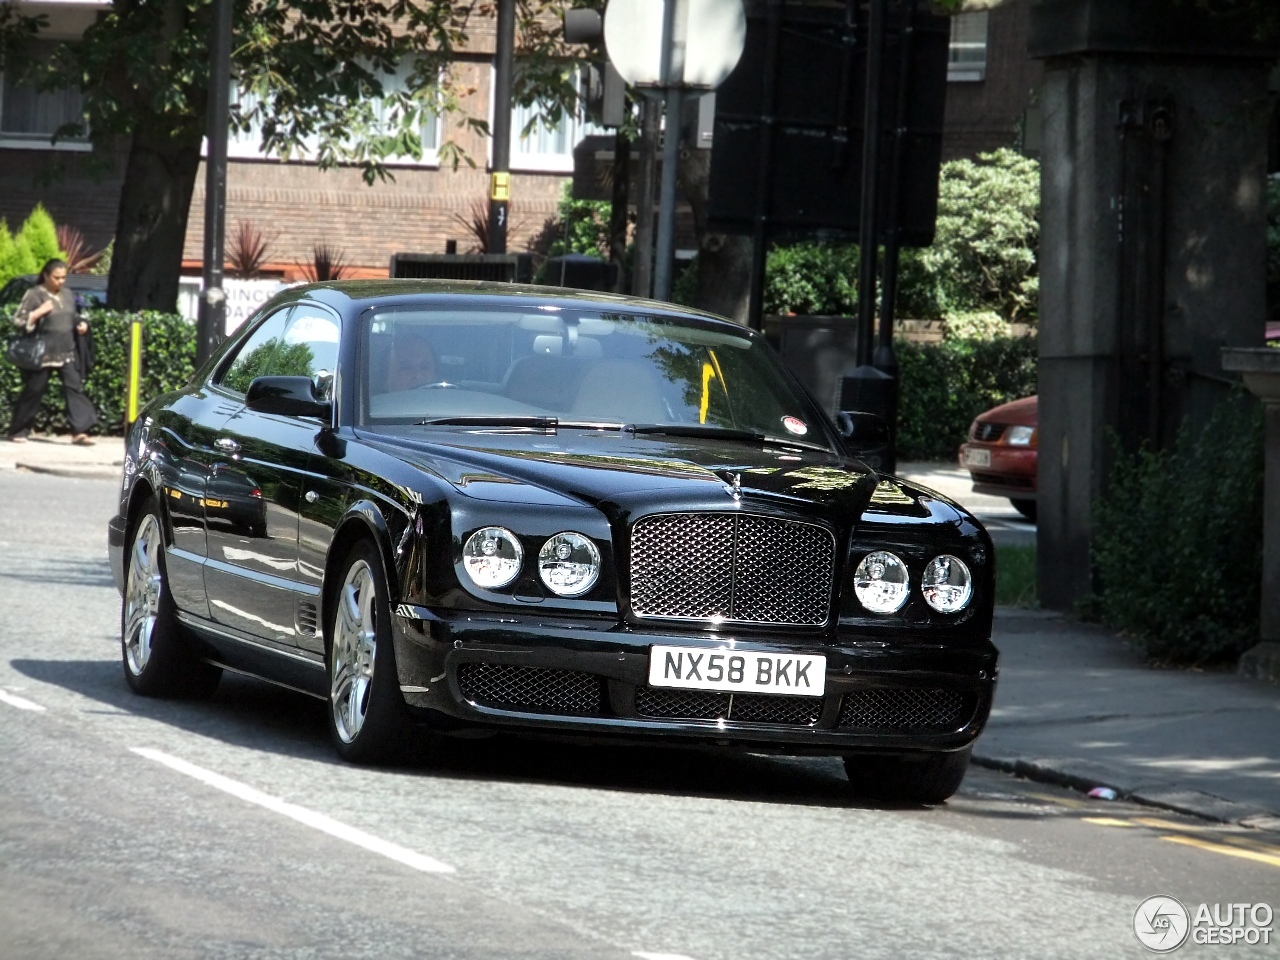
(733, 484)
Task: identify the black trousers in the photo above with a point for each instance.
(79, 408)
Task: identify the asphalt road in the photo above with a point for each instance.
(140, 828)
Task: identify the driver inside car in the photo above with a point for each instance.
(412, 364)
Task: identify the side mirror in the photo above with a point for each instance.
(287, 396)
(865, 435)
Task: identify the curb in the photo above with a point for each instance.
(1191, 803)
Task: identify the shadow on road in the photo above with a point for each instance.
(259, 716)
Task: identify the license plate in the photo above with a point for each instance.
(733, 671)
(977, 458)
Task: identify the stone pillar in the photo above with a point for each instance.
(1152, 245)
(1260, 368)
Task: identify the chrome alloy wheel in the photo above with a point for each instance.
(355, 644)
(142, 594)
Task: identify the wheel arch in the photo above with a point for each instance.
(363, 520)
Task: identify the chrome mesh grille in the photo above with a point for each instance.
(532, 689)
(988, 432)
(738, 568)
(740, 707)
(905, 708)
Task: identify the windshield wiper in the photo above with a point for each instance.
(535, 423)
(718, 433)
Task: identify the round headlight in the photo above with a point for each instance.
(569, 564)
(882, 582)
(492, 557)
(947, 584)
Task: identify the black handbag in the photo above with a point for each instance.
(26, 351)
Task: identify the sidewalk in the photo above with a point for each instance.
(1074, 704)
(57, 455)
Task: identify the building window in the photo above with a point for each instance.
(546, 148)
(247, 144)
(30, 117)
(968, 55)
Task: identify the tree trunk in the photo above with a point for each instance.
(724, 260)
(155, 201)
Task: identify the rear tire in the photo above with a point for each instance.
(156, 651)
(367, 713)
(909, 778)
(1025, 507)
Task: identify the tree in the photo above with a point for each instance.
(313, 76)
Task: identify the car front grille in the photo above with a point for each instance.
(738, 707)
(739, 568)
(532, 689)
(988, 432)
(905, 708)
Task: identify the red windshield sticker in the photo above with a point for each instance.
(795, 425)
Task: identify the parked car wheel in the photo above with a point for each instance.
(910, 778)
(1025, 507)
(367, 714)
(155, 649)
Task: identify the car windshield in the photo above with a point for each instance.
(454, 366)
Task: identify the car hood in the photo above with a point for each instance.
(603, 468)
(1022, 412)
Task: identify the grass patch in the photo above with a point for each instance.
(1016, 576)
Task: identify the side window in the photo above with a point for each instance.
(257, 356)
(310, 348)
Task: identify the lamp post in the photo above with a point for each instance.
(211, 315)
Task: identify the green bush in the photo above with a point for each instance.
(1177, 544)
(584, 226)
(42, 236)
(945, 385)
(1273, 248)
(812, 278)
(168, 360)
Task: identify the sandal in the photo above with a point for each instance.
(16, 438)
(82, 440)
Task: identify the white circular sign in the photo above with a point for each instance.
(708, 38)
(1161, 924)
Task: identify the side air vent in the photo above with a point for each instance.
(306, 618)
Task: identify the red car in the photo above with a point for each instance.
(1001, 454)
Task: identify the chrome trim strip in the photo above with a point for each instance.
(280, 583)
(197, 624)
(255, 676)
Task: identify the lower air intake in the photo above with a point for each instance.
(532, 689)
(905, 708)
(738, 708)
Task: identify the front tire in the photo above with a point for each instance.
(367, 714)
(155, 649)
(910, 778)
(1025, 507)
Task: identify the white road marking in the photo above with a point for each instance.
(16, 701)
(302, 815)
(660, 956)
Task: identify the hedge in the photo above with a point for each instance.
(1177, 541)
(168, 360)
(945, 385)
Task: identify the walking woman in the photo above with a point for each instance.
(51, 308)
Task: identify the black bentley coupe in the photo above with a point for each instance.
(486, 505)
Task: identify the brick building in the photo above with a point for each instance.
(297, 206)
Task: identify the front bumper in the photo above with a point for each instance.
(590, 678)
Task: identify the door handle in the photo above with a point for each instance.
(227, 445)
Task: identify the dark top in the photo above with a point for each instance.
(57, 328)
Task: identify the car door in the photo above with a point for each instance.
(253, 494)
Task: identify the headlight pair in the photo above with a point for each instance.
(882, 583)
(568, 563)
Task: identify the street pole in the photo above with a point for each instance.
(642, 276)
(672, 74)
(869, 224)
(500, 176)
(211, 316)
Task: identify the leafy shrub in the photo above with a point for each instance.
(168, 360)
(812, 278)
(42, 236)
(584, 226)
(1177, 543)
(945, 385)
(1273, 248)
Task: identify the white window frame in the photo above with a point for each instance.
(248, 145)
(967, 53)
(42, 140)
(524, 160)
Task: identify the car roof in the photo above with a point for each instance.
(340, 293)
